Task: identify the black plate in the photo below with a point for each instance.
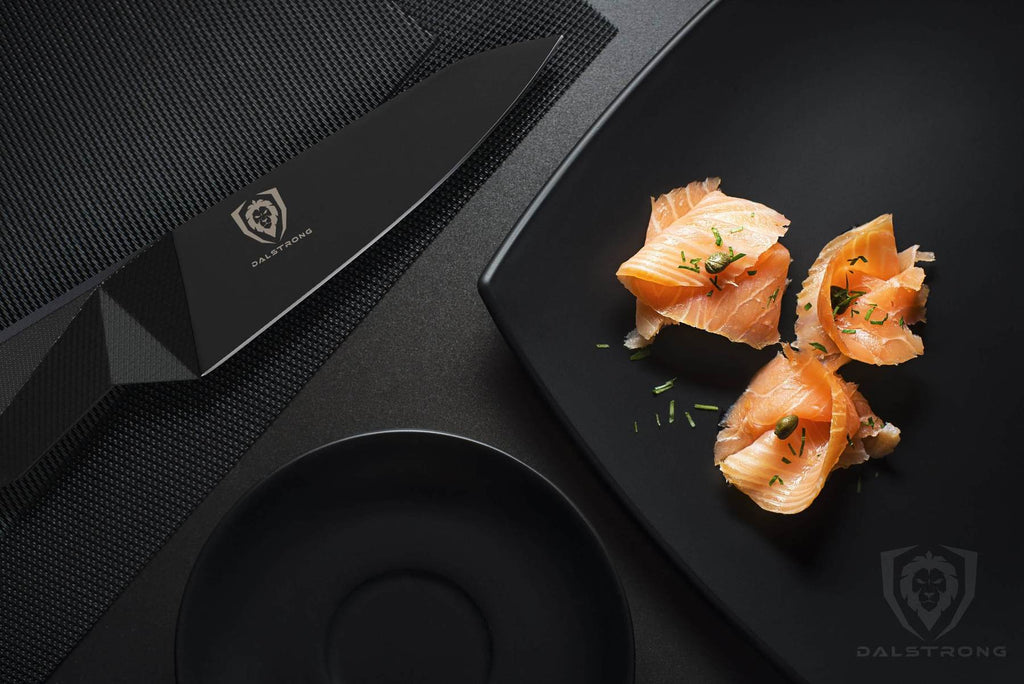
(401, 557)
(832, 113)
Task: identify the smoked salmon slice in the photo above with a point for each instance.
(710, 261)
(861, 296)
(830, 425)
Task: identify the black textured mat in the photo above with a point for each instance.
(120, 121)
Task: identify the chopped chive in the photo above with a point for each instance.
(819, 346)
(706, 407)
(871, 421)
(807, 306)
(902, 324)
(657, 419)
(848, 331)
(736, 230)
(843, 297)
(714, 281)
(775, 478)
(602, 345)
(855, 312)
(803, 440)
(774, 295)
(786, 460)
(672, 411)
(871, 310)
(849, 442)
(636, 428)
(791, 450)
(640, 354)
(881, 321)
(710, 292)
(752, 272)
(682, 253)
(857, 258)
(718, 236)
(665, 386)
(689, 419)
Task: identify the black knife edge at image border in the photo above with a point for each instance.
(181, 307)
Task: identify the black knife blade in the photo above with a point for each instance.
(183, 306)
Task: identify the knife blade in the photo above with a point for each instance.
(185, 305)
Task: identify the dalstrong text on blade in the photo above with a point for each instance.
(281, 247)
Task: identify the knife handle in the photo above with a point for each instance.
(133, 328)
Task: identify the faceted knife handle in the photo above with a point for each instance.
(134, 328)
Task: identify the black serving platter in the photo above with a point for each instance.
(399, 557)
(833, 113)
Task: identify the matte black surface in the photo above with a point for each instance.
(390, 372)
(340, 196)
(183, 306)
(399, 557)
(152, 453)
(833, 114)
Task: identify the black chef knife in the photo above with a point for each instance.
(180, 308)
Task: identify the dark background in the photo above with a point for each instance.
(428, 356)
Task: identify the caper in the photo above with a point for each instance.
(786, 425)
(717, 262)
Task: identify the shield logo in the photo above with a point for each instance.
(929, 587)
(263, 218)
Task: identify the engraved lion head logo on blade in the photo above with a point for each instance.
(929, 588)
(263, 218)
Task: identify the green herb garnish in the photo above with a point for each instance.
(672, 411)
(692, 265)
(752, 273)
(902, 324)
(819, 346)
(689, 419)
(786, 460)
(849, 442)
(807, 306)
(773, 296)
(857, 258)
(791, 450)
(640, 354)
(710, 292)
(842, 297)
(848, 331)
(714, 281)
(737, 230)
(776, 478)
(871, 310)
(718, 236)
(665, 386)
(636, 428)
(602, 345)
(657, 419)
(881, 321)
(803, 440)
(705, 407)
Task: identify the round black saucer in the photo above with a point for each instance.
(401, 557)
